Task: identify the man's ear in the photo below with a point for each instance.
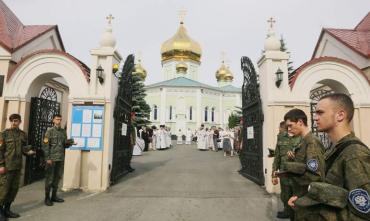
(340, 115)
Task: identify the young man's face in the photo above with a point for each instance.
(15, 123)
(325, 115)
(57, 121)
(294, 128)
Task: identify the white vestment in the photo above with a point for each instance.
(201, 137)
(168, 139)
(179, 137)
(188, 137)
(139, 147)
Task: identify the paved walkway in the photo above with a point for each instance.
(179, 184)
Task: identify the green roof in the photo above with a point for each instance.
(186, 82)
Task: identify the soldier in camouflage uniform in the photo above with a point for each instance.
(13, 143)
(284, 144)
(347, 161)
(54, 144)
(307, 163)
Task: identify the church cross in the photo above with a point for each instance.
(271, 21)
(182, 13)
(110, 18)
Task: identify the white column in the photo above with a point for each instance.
(221, 111)
(199, 108)
(163, 106)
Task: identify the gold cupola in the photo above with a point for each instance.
(181, 47)
(139, 70)
(224, 73)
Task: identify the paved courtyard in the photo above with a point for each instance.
(179, 184)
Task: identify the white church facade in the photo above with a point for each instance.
(181, 101)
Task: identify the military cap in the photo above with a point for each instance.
(323, 193)
(295, 167)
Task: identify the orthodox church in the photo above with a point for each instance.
(181, 101)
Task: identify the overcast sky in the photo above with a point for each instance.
(237, 27)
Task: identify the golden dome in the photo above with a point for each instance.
(139, 70)
(181, 67)
(181, 46)
(224, 73)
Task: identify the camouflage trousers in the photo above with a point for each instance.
(9, 185)
(53, 174)
(286, 192)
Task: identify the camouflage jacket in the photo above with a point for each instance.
(351, 171)
(13, 143)
(54, 143)
(310, 155)
(284, 144)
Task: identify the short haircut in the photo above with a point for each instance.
(296, 114)
(57, 115)
(15, 117)
(344, 101)
(282, 124)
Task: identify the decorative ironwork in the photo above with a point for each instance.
(251, 156)
(49, 94)
(315, 97)
(41, 117)
(122, 150)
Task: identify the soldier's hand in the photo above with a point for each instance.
(292, 200)
(2, 170)
(290, 155)
(31, 152)
(275, 181)
(50, 162)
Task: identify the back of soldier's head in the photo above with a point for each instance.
(343, 102)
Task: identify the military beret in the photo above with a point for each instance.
(323, 193)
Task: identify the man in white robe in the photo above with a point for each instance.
(179, 137)
(162, 138)
(201, 137)
(188, 136)
(168, 137)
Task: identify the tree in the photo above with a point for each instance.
(234, 120)
(290, 63)
(139, 105)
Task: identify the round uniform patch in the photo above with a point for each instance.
(360, 200)
(312, 165)
(46, 140)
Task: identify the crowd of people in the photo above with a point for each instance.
(213, 138)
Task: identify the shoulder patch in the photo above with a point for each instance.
(312, 165)
(360, 200)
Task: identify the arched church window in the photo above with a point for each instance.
(191, 113)
(170, 117)
(155, 115)
(213, 114)
(206, 114)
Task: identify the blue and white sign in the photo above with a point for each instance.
(87, 127)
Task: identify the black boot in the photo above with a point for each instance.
(2, 215)
(55, 198)
(47, 201)
(8, 213)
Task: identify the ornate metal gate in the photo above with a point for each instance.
(315, 97)
(251, 156)
(122, 152)
(43, 109)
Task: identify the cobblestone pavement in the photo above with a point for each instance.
(179, 184)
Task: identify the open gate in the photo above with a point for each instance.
(43, 109)
(122, 151)
(251, 156)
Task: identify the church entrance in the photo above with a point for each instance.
(122, 151)
(42, 110)
(251, 156)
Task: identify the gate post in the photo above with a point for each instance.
(275, 98)
(88, 168)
